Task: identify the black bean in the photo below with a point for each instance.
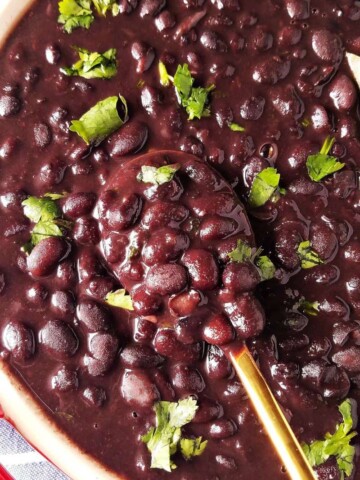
(78, 204)
(58, 338)
(42, 135)
(203, 270)
(94, 316)
(166, 344)
(246, 315)
(218, 330)
(130, 139)
(19, 340)
(222, 428)
(95, 396)
(85, 231)
(166, 279)
(217, 365)
(140, 356)
(46, 255)
(327, 46)
(104, 346)
(9, 105)
(62, 303)
(186, 380)
(138, 390)
(65, 380)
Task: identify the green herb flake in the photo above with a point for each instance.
(195, 100)
(158, 175)
(93, 64)
(235, 127)
(192, 447)
(165, 78)
(119, 299)
(264, 186)
(75, 14)
(266, 267)
(322, 164)
(183, 82)
(165, 439)
(309, 308)
(242, 252)
(335, 445)
(45, 213)
(101, 120)
(105, 6)
(309, 258)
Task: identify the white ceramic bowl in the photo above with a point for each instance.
(29, 416)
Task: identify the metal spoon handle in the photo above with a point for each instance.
(271, 416)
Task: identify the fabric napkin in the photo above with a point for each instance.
(21, 461)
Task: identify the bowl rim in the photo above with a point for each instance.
(22, 408)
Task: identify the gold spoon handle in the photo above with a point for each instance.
(271, 416)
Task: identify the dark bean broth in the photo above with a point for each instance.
(275, 64)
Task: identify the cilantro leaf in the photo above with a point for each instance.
(40, 208)
(194, 99)
(336, 444)
(244, 253)
(309, 258)
(45, 229)
(183, 82)
(264, 186)
(45, 213)
(93, 64)
(165, 439)
(235, 127)
(119, 299)
(75, 14)
(192, 447)
(266, 267)
(196, 105)
(101, 120)
(322, 164)
(158, 175)
(309, 308)
(104, 6)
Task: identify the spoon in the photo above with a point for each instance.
(265, 405)
(269, 413)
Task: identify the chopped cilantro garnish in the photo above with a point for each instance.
(309, 258)
(322, 164)
(45, 213)
(309, 308)
(93, 64)
(335, 445)
(266, 267)
(119, 299)
(194, 99)
(244, 253)
(101, 120)
(192, 447)
(158, 175)
(235, 127)
(105, 6)
(75, 14)
(165, 439)
(264, 186)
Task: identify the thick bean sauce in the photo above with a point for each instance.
(280, 72)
